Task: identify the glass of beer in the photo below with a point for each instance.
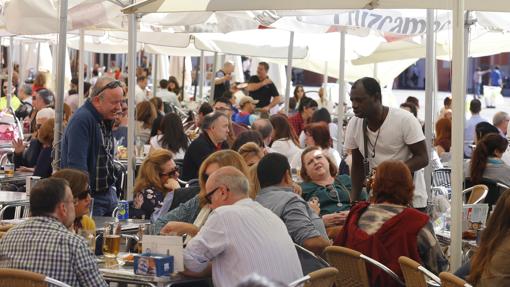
(9, 169)
(111, 240)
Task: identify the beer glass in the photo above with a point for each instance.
(111, 240)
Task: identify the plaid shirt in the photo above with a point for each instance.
(297, 123)
(46, 246)
(105, 176)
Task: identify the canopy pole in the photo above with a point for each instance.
(81, 69)
(10, 58)
(213, 78)
(429, 93)
(202, 75)
(38, 57)
(341, 92)
(289, 71)
(131, 103)
(458, 99)
(59, 85)
(155, 75)
(21, 74)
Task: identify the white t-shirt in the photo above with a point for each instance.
(155, 145)
(289, 150)
(399, 130)
(140, 95)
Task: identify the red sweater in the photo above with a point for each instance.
(396, 237)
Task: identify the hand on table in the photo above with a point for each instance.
(335, 218)
(179, 228)
(25, 169)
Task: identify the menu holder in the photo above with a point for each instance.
(474, 217)
(170, 245)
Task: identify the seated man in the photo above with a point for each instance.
(240, 237)
(44, 244)
(305, 227)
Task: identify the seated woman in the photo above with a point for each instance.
(486, 160)
(79, 184)
(185, 219)
(154, 185)
(43, 166)
(388, 228)
(490, 265)
(284, 139)
(317, 134)
(252, 153)
(443, 140)
(145, 115)
(172, 136)
(322, 116)
(321, 183)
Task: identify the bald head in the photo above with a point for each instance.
(228, 67)
(264, 127)
(227, 185)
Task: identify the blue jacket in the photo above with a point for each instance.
(82, 141)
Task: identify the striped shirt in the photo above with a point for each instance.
(46, 246)
(242, 239)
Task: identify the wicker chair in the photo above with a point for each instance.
(324, 277)
(477, 193)
(414, 273)
(450, 280)
(352, 271)
(22, 278)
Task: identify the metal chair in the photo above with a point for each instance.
(477, 193)
(309, 261)
(414, 273)
(21, 278)
(450, 280)
(352, 271)
(324, 277)
(21, 209)
(442, 177)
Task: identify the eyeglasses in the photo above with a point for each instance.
(110, 85)
(170, 173)
(210, 194)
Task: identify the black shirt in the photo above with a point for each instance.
(264, 94)
(220, 89)
(197, 152)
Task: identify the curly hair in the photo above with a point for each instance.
(393, 183)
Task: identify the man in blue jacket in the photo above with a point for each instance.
(88, 143)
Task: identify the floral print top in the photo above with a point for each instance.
(145, 202)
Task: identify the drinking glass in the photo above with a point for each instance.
(111, 240)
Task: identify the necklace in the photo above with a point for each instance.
(377, 136)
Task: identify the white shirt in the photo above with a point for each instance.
(289, 149)
(399, 130)
(154, 142)
(334, 155)
(169, 97)
(140, 95)
(242, 239)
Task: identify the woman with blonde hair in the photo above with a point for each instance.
(155, 183)
(252, 153)
(181, 219)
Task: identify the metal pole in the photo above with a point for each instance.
(131, 103)
(59, 85)
(289, 71)
(155, 75)
(21, 74)
(458, 94)
(81, 69)
(341, 92)
(202, 75)
(38, 58)
(430, 69)
(10, 60)
(215, 68)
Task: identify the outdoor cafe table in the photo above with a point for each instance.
(18, 179)
(127, 226)
(7, 197)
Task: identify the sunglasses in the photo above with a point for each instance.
(110, 85)
(170, 173)
(210, 194)
(84, 194)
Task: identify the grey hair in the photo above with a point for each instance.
(237, 183)
(499, 117)
(100, 83)
(264, 127)
(27, 88)
(210, 118)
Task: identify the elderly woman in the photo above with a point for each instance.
(186, 219)
(154, 185)
(79, 184)
(322, 184)
(388, 228)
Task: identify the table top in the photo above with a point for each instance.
(126, 225)
(18, 175)
(12, 196)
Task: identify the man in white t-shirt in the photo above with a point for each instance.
(141, 90)
(391, 134)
